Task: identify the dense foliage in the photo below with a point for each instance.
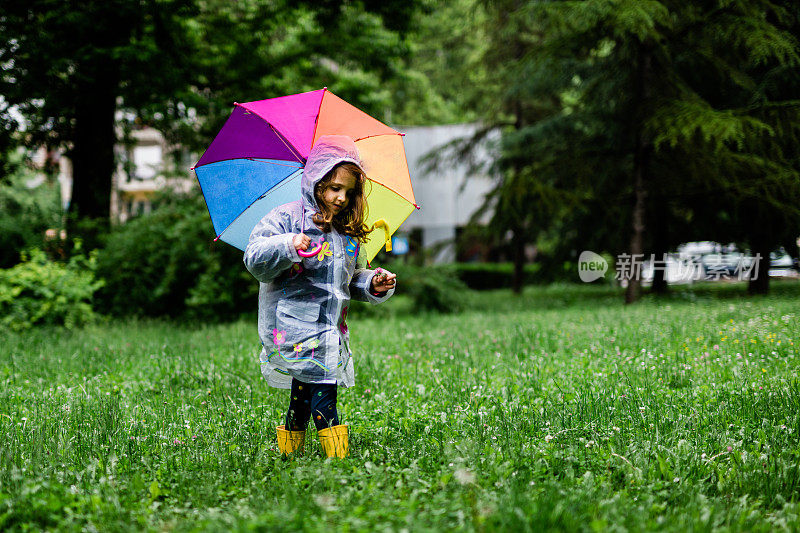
(75, 70)
(633, 126)
(26, 211)
(166, 264)
(39, 291)
(624, 126)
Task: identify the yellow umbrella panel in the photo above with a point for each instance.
(390, 197)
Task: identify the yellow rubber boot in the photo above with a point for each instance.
(334, 441)
(290, 442)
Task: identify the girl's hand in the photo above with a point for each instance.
(301, 241)
(383, 280)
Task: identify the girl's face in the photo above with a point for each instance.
(337, 194)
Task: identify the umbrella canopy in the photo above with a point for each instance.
(255, 162)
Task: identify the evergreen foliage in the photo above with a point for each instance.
(644, 120)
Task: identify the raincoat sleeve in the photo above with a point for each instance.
(361, 284)
(270, 250)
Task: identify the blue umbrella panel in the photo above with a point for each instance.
(239, 192)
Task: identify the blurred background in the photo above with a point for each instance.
(664, 132)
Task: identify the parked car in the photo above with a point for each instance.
(782, 265)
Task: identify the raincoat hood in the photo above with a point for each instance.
(329, 151)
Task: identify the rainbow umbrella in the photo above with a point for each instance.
(255, 162)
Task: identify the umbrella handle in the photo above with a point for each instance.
(310, 253)
(381, 223)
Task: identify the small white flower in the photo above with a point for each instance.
(326, 501)
(464, 476)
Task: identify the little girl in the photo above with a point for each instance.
(303, 298)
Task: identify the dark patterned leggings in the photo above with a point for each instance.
(307, 399)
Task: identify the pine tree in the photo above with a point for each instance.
(664, 99)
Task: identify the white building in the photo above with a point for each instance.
(448, 197)
(143, 170)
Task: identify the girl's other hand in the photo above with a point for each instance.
(383, 280)
(301, 241)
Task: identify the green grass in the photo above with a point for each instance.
(561, 409)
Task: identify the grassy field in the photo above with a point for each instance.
(560, 409)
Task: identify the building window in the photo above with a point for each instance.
(147, 162)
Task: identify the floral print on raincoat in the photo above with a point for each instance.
(303, 302)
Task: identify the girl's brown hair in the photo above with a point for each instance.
(350, 221)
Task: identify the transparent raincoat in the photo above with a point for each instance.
(303, 302)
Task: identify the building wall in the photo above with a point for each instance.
(142, 173)
(448, 196)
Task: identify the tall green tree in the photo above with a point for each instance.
(497, 80)
(648, 100)
(69, 66)
(442, 81)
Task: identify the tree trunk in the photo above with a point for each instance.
(640, 160)
(518, 232)
(660, 247)
(93, 152)
(634, 289)
(518, 251)
(760, 283)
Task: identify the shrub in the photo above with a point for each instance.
(434, 288)
(225, 289)
(167, 264)
(487, 276)
(39, 291)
